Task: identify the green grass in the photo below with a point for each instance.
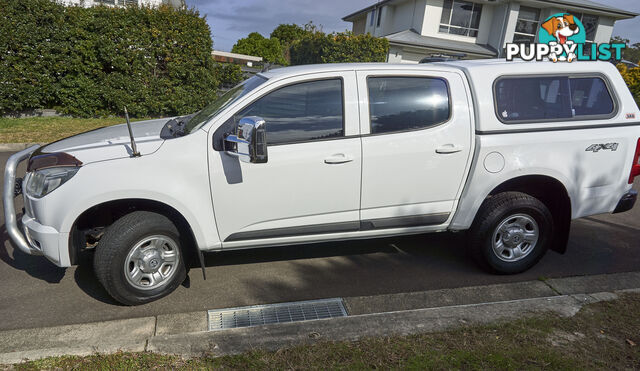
(49, 129)
(601, 335)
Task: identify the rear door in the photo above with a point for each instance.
(416, 143)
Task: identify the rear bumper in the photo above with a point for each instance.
(626, 202)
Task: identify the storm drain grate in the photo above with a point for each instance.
(257, 315)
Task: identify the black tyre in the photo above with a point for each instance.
(511, 233)
(139, 258)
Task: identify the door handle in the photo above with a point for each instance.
(338, 158)
(448, 148)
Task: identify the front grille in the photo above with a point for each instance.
(257, 315)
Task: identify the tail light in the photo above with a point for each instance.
(635, 168)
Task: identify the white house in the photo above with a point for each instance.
(150, 3)
(477, 28)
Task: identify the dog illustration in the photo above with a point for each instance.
(561, 28)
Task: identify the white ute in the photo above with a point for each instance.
(510, 151)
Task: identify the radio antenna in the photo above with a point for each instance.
(134, 148)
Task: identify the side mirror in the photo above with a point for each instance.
(249, 143)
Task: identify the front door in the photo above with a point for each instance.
(310, 184)
(417, 150)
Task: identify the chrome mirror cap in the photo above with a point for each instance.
(249, 143)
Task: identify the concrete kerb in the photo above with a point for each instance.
(398, 314)
(15, 147)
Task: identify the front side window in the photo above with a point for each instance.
(302, 112)
(407, 103)
(527, 25)
(224, 101)
(460, 18)
(551, 98)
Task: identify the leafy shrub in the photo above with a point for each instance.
(317, 47)
(632, 78)
(94, 61)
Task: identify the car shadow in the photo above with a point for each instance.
(439, 244)
(86, 280)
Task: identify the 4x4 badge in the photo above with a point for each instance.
(597, 147)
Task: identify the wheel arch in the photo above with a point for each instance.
(105, 213)
(551, 192)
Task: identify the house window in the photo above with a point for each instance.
(527, 25)
(590, 23)
(379, 17)
(460, 18)
(373, 17)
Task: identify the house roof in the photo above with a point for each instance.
(413, 38)
(350, 17)
(592, 5)
(219, 53)
(581, 4)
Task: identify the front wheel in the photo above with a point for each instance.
(511, 233)
(139, 258)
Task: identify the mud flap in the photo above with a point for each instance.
(561, 236)
(201, 258)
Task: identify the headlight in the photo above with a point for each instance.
(44, 181)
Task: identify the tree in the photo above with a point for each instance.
(317, 47)
(288, 33)
(255, 44)
(631, 52)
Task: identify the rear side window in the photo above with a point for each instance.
(302, 112)
(525, 99)
(590, 96)
(407, 103)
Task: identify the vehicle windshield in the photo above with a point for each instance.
(223, 102)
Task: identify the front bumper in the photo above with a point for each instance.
(28, 234)
(626, 202)
(8, 197)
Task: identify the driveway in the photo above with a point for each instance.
(35, 293)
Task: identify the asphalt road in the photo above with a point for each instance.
(35, 293)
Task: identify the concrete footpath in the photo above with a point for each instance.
(382, 315)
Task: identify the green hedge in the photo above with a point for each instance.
(94, 61)
(317, 47)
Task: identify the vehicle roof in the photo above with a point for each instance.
(474, 66)
(334, 67)
(481, 75)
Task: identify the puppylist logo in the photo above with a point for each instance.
(562, 37)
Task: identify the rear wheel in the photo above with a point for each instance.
(511, 233)
(139, 258)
